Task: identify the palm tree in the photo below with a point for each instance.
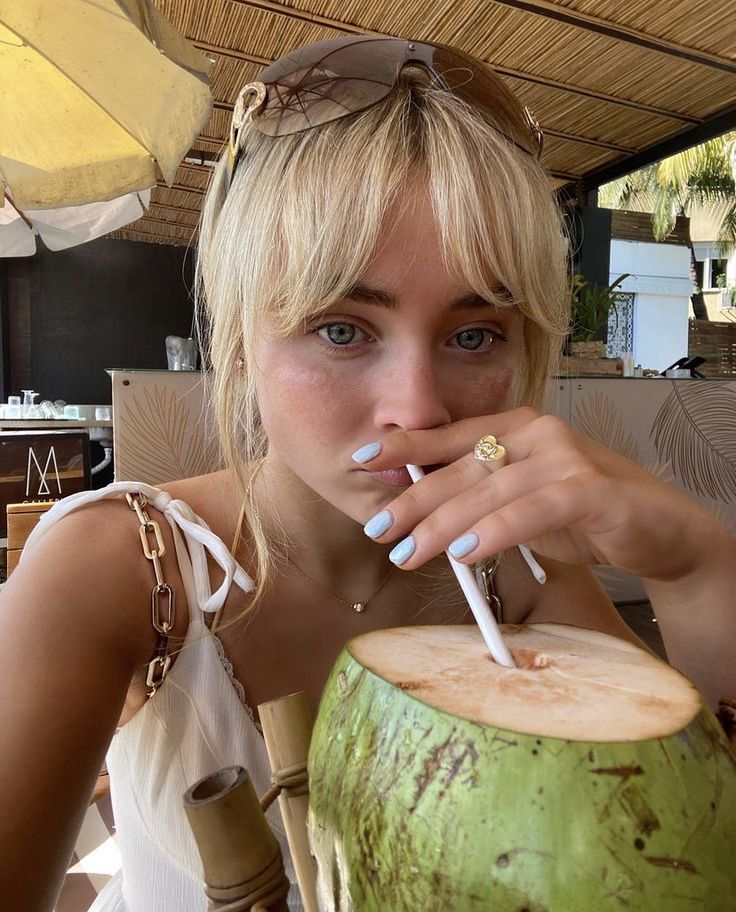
(700, 176)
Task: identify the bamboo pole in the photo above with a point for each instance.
(243, 866)
(287, 731)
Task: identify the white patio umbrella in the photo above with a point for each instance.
(66, 227)
(93, 94)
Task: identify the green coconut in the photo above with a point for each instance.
(589, 778)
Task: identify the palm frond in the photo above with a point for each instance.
(628, 191)
(730, 152)
(597, 417)
(727, 231)
(708, 158)
(669, 203)
(700, 175)
(163, 439)
(673, 172)
(694, 430)
(617, 194)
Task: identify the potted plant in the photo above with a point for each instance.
(591, 305)
(727, 293)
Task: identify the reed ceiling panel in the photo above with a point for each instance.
(557, 109)
(175, 216)
(217, 129)
(607, 80)
(566, 157)
(704, 25)
(566, 53)
(437, 21)
(237, 25)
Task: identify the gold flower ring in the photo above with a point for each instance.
(490, 452)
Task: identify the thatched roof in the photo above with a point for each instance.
(614, 85)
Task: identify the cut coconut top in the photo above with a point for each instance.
(571, 683)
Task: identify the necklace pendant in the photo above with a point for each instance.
(359, 607)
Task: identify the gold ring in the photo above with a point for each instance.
(490, 452)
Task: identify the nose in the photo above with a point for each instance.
(408, 395)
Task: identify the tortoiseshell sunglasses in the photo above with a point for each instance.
(322, 82)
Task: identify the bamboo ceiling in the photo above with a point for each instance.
(614, 85)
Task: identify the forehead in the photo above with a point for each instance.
(409, 251)
(409, 261)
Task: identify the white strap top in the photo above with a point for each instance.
(196, 723)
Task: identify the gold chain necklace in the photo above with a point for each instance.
(359, 607)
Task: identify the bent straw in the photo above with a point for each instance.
(539, 574)
(478, 605)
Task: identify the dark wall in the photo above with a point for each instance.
(591, 239)
(108, 303)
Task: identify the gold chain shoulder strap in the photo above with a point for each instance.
(162, 595)
(488, 575)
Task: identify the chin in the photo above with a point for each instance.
(362, 500)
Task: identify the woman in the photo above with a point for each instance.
(384, 275)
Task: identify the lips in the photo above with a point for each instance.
(394, 477)
(399, 476)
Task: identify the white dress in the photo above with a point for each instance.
(196, 723)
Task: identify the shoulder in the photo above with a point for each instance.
(89, 571)
(213, 497)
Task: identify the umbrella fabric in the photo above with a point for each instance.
(92, 95)
(67, 227)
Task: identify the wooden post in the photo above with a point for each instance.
(243, 866)
(287, 731)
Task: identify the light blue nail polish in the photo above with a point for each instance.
(403, 551)
(377, 525)
(367, 452)
(464, 545)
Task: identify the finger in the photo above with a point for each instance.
(545, 510)
(452, 497)
(432, 531)
(420, 499)
(442, 445)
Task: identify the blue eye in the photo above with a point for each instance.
(339, 333)
(473, 339)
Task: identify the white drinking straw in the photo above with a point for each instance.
(539, 575)
(478, 605)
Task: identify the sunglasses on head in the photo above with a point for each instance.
(319, 83)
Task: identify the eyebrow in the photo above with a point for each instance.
(366, 294)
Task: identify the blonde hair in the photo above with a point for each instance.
(304, 215)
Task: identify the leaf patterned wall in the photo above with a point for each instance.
(161, 428)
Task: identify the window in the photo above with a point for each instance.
(717, 267)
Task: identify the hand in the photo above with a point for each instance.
(565, 496)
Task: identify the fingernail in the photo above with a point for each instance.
(367, 452)
(377, 525)
(403, 551)
(464, 545)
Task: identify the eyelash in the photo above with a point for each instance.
(335, 348)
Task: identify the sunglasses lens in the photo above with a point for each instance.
(326, 81)
(477, 84)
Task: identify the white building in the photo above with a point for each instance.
(712, 263)
(655, 304)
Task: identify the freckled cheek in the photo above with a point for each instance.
(296, 398)
(482, 396)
